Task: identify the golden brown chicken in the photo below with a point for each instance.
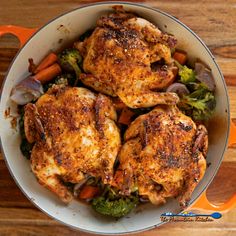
(163, 156)
(118, 59)
(75, 135)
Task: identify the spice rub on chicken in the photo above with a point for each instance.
(163, 156)
(118, 59)
(75, 136)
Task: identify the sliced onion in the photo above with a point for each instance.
(178, 88)
(26, 91)
(204, 75)
(144, 199)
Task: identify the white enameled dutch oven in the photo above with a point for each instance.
(53, 36)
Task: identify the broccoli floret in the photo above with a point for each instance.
(113, 204)
(193, 86)
(69, 60)
(186, 74)
(199, 105)
(115, 208)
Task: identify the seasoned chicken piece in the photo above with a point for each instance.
(163, 156)
(118, 58)
(75, 136)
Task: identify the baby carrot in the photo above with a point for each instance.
(48, 73)
(125, 116)
(118, 104)
(50, 59)
(88, 192)
(181, 57)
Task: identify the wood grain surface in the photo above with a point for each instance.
(215, 22)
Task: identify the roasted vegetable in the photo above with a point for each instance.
(113, 204)
(186, 74)
(204, 75)
(26, 91)
(180, 56)
(64, 79)
(69, 60)
(126, 116)
(119, 105)
(47, 61)
(200, 104)
(48, 74)
(193, 86)
(88, 192)
(115, 208)
(25, 146)
(178, 88)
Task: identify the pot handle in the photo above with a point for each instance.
(232, 134)
(23, 34)
(202, 202)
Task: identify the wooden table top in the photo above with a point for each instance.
(215, 22)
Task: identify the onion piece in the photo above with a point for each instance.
(26, 91)
(144, 199)
(178, 88)
(204, 75)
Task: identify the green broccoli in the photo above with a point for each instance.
(115, 208)
(193, 86)
(113, 204)
(186, 74)
(69, 60)
(199, 105)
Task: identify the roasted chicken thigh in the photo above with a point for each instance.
(118, 59)
(75, 136)
(163, 156)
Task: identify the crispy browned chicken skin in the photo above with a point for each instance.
(163, 156)
(75, 135)
(118, 57)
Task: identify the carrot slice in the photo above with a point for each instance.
(125, 116)
(119, 105)
(49, 60)
(88, 192)
(181, 57)
(48, 74)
